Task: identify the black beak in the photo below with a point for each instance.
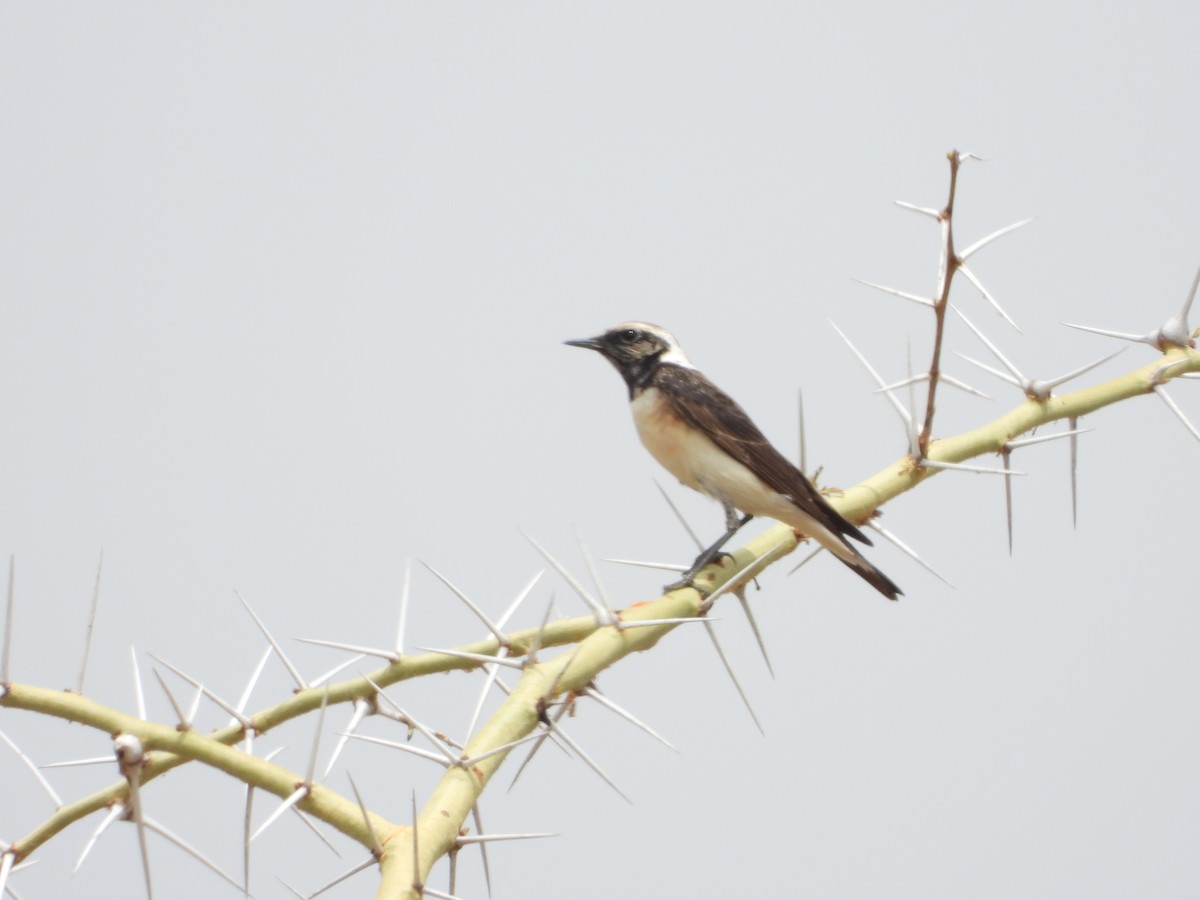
(587, 343)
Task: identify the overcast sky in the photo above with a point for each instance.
(284, 288)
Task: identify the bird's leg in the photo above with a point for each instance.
(733, 524)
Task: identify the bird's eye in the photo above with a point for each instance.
(628, 336)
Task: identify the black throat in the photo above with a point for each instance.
(639, 373)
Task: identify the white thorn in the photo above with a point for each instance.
(923, 210)
(345, 664)
(232, 710)
(91, 625)
(995, 350)
(915, 298)
(907, 550)
(295, 797)
(404, 589)
(388, 655)
(1162, 393)
(666, 567)
(679, 516)
(292, 670)
(963, 467)
(137, 685)
(479, 613)
(984, 241)
(1122, 335)
(596, 695)
(733, 676)
(438, 758)
(988, 296)
(183, 720)
(117, 810)
(312, 757)
(1041, 439)
(34, 769)
(376, 846)
(245, 698)
(603, 617)
(904, 414)
(361, 709)
(163, 831)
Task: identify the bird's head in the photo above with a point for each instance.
(636, 349)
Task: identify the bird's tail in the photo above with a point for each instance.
(871, 575)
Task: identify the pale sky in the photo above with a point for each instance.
(284, 290)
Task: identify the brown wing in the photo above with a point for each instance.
(707, 408)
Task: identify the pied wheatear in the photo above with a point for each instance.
(702, 437)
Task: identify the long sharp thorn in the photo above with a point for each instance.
(903, 413)
(988, 297)
(232, 710)
(539, 636)
(1062, 379)
(135, 797)
(1187, 304)
(1162, 393)
(678, 515)
(923, 210)
(389, 655)
(1073, 424)
(117, 810)
(438, 758)
(87, 635)
(292, 670)
(733, 677)
(316, 831)
(525, 592)
(292, 799)
(365, 864)
(1044, 438)
(984, 241)
(666, 567)
(503, 748)
(247, 818)
(488, 838)
(6, 866)
(487, 869)
(479, 613)
(590, 762)
(477, 657)
(1006, 454)
(428, 735)
(915, 298)
(488, 681)
(591, 567)
(913, 437)
(321, 679)
(594, 692)
(800, 425)
(361, 708)
(183, 721)
(762, 646)
(1122, 335)
(5, 676)
(1003, 375)
(1016, 373)
(376, 846)
(804, 561)
(34, 769)
(416, 880)
(245, 698)
(90, 761)
(602, 615)
(403, 606)
(907, 550)
(163, 831)
(195, 707)
(964, 467)
(312, 757)
(295, 892)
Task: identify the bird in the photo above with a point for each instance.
(706, 440)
